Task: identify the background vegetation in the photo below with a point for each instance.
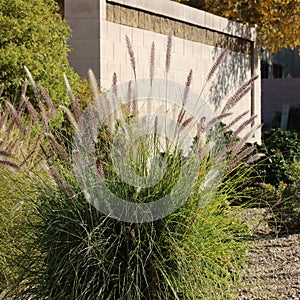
(32, 34)
(278, 21)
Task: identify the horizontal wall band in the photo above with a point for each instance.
(160, 24)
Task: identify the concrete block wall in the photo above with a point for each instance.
(99, 29)
(84, 19)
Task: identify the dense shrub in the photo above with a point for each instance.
(280, 148)
(276, 181)
(32, 34)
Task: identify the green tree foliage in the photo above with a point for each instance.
(278, 21)
(33, 34)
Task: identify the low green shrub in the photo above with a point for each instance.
(276, 184)
(280, 148)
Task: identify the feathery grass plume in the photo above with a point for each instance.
(181, 115)
(44, 114)
(33, 83)
(254, 158)
(217, 119)
(187, 121)
(9, 164)
(200, 126)
(237, 146)
(92, 122)
(239, 94)
(27, 139)
(131, 55)
(31, 110)
(52, 109)
(184, 97)
(240, 157)
(101, 102)
(114, 84)
(24, 88)
(11, 145)
(78, 164)
(152, 63)
(168, 53)
(59, 181)
(129, 99)
(32, 152)
(155, 127)
(94, 83)
(3, 119)
(21, 106)
(15, 115)
(187, 87)
(242, 127)
(217, 64)
(235, 120)
(75, 108)
(4, 153)
(59, 150)
(99, 168)
(69, 116)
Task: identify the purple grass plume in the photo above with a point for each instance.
(187, 87)
(59, 150)
(44, 114)
(31, 110)
(152, 63)
(187, 121)
(240, 157)
(242, 127)
(129, 99)
(52, 109)
(239, 94)
(15, 115)
(114, 84)
(9, 164)
(235, 120)
(3, 119)
(217, 64)
(131, 55)
(63, 185)
(75, 107)
(168, 53)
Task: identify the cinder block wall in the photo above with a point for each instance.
(98, 41)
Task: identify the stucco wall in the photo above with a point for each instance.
(98, 42)
(276, 92)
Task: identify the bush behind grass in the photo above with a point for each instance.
(277, 180)
(33, 34)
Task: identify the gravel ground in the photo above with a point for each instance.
(274, 271)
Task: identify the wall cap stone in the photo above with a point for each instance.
(191, 15)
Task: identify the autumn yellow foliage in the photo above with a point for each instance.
(278, 21)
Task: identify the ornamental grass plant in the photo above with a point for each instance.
(73, 246)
